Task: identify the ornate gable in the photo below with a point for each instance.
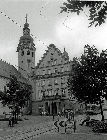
(52, 56)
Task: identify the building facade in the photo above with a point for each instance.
(50, 79)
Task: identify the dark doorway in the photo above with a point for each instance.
(47, 108)
(54, 108)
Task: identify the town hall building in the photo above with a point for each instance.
(51, 81)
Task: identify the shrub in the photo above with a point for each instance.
(99, 126)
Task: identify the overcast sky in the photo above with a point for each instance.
(47, 25)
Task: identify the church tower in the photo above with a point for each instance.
(26, 52)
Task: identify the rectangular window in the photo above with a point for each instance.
(55, 70)
(57, 91)
(48, 63)
(66, 68)
(38, 83)
(55, 62)
(38, 73)
(63, 91)
(62, 80)
(49, 83)
(43, 72)
(62, 69)
(28, 52)
(43, 93)
(56, 82)
(52, 62)
(49, 71)
(39, 94)
(43, 82)
(50, 92)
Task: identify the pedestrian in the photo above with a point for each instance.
(86, 120)
(10, 121)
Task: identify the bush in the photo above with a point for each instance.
(98, 126)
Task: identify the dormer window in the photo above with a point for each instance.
(28, 52)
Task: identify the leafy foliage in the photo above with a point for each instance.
(98, 126)
(97, 10)
(88, 80)
(16, 94)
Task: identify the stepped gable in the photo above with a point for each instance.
(6, 70)
(64, 54)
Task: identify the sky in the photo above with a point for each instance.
(65, 31)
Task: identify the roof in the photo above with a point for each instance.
(6, 70)
(64, 54)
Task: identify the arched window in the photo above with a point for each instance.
(32, 54)
(28, 52)
(22, 53)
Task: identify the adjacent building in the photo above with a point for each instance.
(6, 70)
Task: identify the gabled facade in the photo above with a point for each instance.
(50, 79)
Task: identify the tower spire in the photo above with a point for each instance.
(26, 18)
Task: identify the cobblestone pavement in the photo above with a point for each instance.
(35, 126)
(27, 129)
(82, 133)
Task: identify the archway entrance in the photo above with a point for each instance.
(54, 108)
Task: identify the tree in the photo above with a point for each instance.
(97, 10)
(87, 81)
(16, 95)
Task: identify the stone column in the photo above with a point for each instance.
(50, 108)
(57, 104)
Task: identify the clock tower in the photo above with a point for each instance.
(26, 52)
